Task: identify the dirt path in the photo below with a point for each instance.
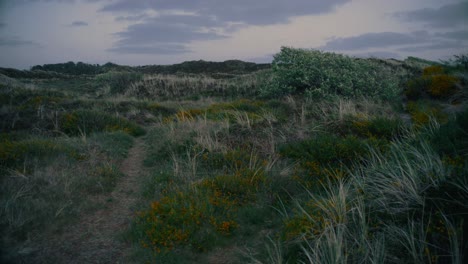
(95, 238)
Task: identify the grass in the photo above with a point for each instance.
(51, 184)
(235, 177)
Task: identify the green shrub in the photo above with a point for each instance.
(442, 86)
(160, 146)
(23, 153)
(416, 88)
(379, 127)
(234, 190)
(326, 149)
(119, 82)
(182, 219)
(433, 70)
(433, 82)
(232, 161)
(241, 105)
(451, 138)
(320, 74)
(87, 121)
(422, 112)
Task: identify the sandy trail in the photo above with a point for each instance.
(95, 237)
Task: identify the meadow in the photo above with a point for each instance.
(315, 158)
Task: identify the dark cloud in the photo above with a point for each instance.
(2, 25)
(246, 11)
(157, 48)
(446, 16)
(457, 35)
(417, 41)
(167, 29)
(79, 24)
(45, 1)
(131, 17)
(202, 19)
(179, 29)
(378, 54)
(16, 42)
(441, 45)
(376, 40)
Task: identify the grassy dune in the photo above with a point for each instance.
(350, 161)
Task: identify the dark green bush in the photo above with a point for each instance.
(327, 149)
(379, 127)
(416, 88)
(21, 153)
(434, 82)
(452, 137)
(119, 81)
(87, 121)
(321, 75)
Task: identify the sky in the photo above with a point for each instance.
(142, 32)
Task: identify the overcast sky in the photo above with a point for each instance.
(140, 32)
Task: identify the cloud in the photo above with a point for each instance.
(246, 11)
(449, 15)
(376, 40)
(457, 35)
(195, 20)
(38, 1)
(418, 41)
(16, 42)
(3, 25)
(179, 29)
(157, 48)
(166, 30)
(378, 54)
(131, 17)
(78, 24)
(442, 45)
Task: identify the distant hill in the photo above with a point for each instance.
(36, 74)
(207, 67)
(225, 69)
(68, 69)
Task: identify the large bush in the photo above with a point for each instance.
(322, 74)
(119, 81)
(82, 122)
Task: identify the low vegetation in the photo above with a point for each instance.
(321, 158)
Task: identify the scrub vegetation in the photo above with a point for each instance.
(316, 158)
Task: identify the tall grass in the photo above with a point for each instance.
(383, 213)
(49, 183)
(186, 86)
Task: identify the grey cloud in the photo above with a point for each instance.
(158, 48)
(172, 29)
(59, 1)
(376, 40)
(210, 16)
(157, 30)
(79, 24)
(2, 25)
(457, 35)
(434, 46)
(131, 17)
(378, 54)
(16, 42)
(247, 11)
(447, 16)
